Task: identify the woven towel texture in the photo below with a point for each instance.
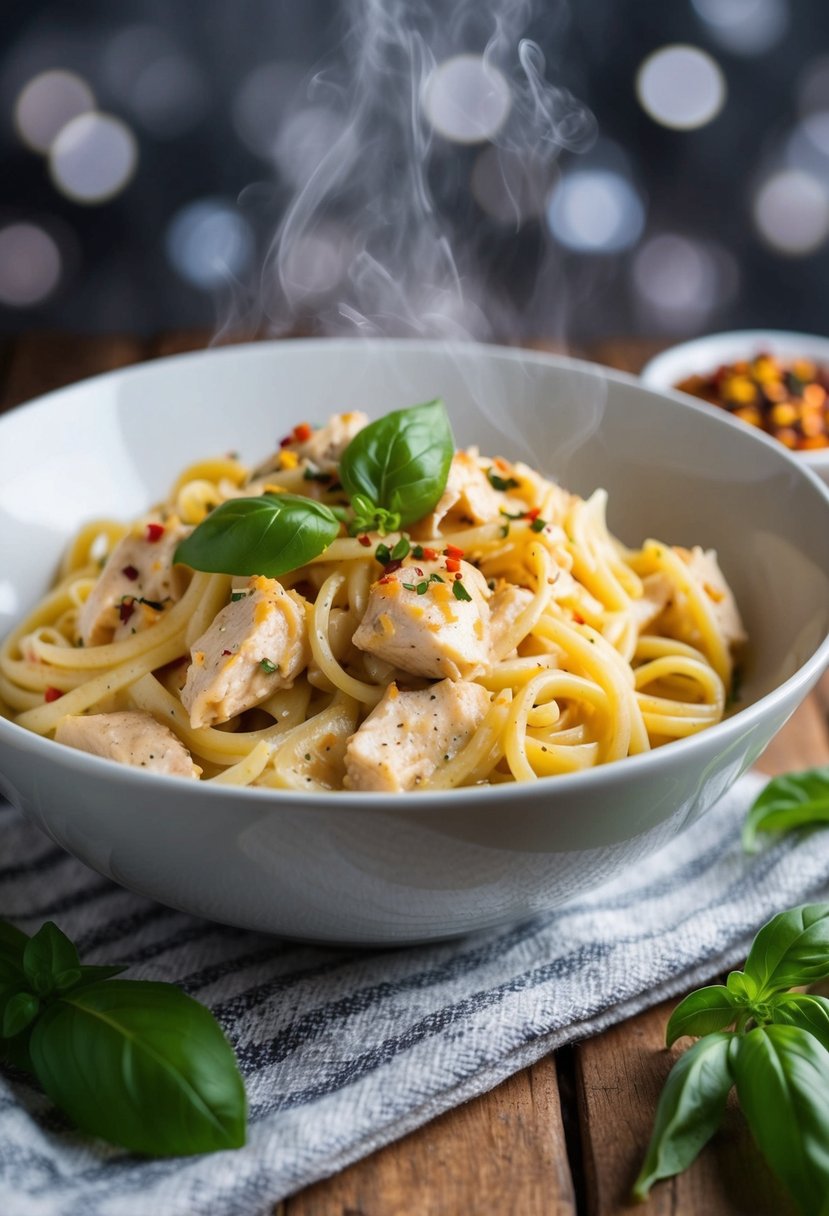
(346, 1050)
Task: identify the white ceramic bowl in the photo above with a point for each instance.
(705, 354)
(369, 868)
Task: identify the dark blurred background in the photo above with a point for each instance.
(150, 151)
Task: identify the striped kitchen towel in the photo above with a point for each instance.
(346, 1050)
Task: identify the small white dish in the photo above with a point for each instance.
(371, 868)
(703, 355)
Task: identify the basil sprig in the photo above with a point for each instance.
(267, 535)
(795, 800)
(139, 1064)
(400, 463)
(394, 471)
(773, 1045)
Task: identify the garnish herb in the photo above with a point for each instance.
(501, 483)
(267, 666)
(400, 463)
(538, 524)
(383, 554)
(237, 595)
(794, 800)
(401, 549)
(137, 1063)
(459, 591)
(773, 1045)
(266, 535)
(393, 471)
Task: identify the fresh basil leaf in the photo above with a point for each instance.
(48, 956)
(689, 1112)
(91, 974)
(266, 535)
(793, 948)
(141, 1065)
(21, 1009)
(741, 986)
(804, 1009)
(401, 461)
(794, 800)
(782, 1076)
(702, 1012)
(12, 945)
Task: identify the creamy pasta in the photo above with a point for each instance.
(504, 635)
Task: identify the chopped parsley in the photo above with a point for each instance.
(501, 483)
(459, 591)
(538, 525)
(237, 595)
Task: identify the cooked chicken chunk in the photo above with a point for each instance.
(656, 594)
(138, 581)
(505, 607)
(256, 645)
(468, 494)
(408, 734)
(327, 443)
(703, 565)
(416, 621)
(131, 737)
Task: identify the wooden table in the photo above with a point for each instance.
(565, 1137)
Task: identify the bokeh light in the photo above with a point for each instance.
(466, 99)
(93, 158)
(813, 86)
(209, 241)
(680, 281)
(791, 211)
(510, 186)
(595, 211)
(30, 265)
(744, 27)
(47, 103)
(681, 87)
(261, 102)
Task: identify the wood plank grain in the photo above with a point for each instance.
(503, 1152)
(620, 1076)
(40, 362)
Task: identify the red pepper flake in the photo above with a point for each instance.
(365, 540)
(303, 432)
(130, 572)
(227, 652)
(52, 694)
(154, 532)
(285, 440)
(385, 579)
(390, 567)
(430, 555)
(452, 564)
(126, 608)
(453, 551)
(533, 514)
(578, 618)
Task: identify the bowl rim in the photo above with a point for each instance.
(605, 775)
(659, 372)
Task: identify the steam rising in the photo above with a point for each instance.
(365, 245)
(383, 236)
